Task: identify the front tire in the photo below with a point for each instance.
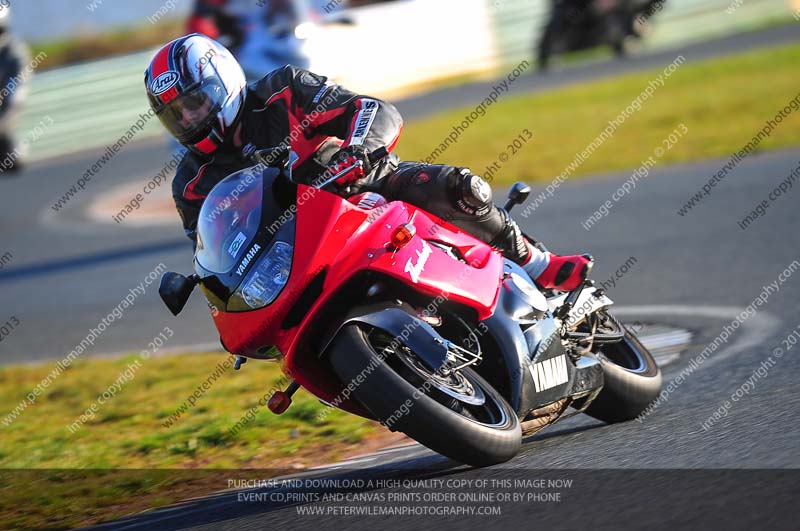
(632, 381)
(463, 432)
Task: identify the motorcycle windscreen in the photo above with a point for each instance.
(230, 217)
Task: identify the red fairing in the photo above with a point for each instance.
(345, 240)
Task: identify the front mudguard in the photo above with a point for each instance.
(397, 320)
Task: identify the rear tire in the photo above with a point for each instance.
(384, 392)
(632, 381)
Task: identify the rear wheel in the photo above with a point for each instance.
(632, 380)
(455, 413)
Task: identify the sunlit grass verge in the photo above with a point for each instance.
(723, 103)
(128, 432)
(117, 41)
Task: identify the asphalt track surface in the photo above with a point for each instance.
(697, 271)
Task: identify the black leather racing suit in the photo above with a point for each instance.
(317, 119)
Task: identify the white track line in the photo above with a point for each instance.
(754, 332)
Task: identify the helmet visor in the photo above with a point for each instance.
(190, 116)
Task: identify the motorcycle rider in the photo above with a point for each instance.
(218, 20)
(13, 58)
(261, 37)
(199, 92)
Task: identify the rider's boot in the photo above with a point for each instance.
(551, 271)
(548, 270)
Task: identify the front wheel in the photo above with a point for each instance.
(457, 414)
(632, 380)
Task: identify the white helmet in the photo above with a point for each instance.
(197, 89)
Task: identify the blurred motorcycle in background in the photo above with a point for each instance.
(13, 88)
(267, 37)
(581, 24)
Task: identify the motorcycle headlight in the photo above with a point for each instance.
(268, 277)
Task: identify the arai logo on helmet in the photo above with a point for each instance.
(164, 82)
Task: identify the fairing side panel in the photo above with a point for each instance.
(334, 236)
(524, 345)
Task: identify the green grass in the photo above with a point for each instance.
(128, 433)
(128, 430)
(723, 103)
(113, 42)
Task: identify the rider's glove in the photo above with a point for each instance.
(347, 157)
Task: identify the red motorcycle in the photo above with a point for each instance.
(386, 311)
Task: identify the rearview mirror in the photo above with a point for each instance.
(517, 195)
(175, 290)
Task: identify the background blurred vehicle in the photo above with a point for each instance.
(219, 20)
(268, 36)
(275, 36)
(261, 38)
(581, 24)
(13, 58)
